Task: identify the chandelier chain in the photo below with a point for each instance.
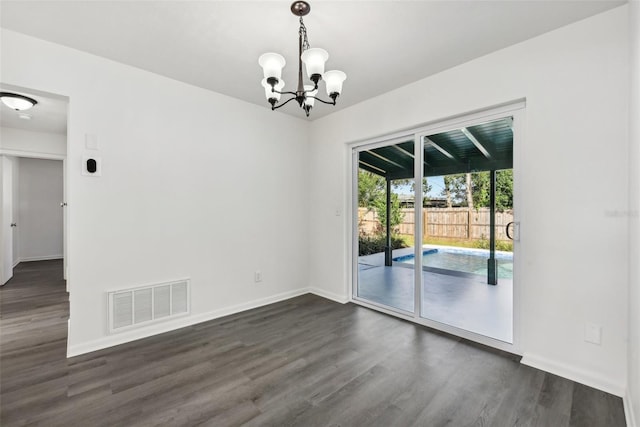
(303, 34)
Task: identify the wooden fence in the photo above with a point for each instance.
(448, 223)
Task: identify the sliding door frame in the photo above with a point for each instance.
(514, 109)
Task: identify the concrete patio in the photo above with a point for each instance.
(457, 299)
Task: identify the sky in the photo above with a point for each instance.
(437, 185)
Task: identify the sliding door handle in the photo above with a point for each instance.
(506, 229)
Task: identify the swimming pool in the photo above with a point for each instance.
(468, 261)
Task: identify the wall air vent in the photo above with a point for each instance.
(144, 305)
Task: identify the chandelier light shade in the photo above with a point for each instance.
(272, 65)
(17, 102)
(311, 97)
(314, 60)
(333, 81)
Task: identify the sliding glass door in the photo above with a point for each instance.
(385, 224)
(435, 222)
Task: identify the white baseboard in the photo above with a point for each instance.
(329, 295)
(581, 376)
(629, 413)
(159, 328)
(38, 258)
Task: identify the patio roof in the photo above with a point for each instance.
(487, 146)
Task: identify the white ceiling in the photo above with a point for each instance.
(381, 45)
(48, 115)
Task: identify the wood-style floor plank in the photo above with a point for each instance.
(302, 362)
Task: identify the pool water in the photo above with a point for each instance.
(465, 261)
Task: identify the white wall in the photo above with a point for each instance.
(574, 185)
(194, 184)
(633, 397)
(39, 216)
(29, 143)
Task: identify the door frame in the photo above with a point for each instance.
(7, 235)
(517, 110)
(65, 228)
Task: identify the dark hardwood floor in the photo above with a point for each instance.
(304, 362)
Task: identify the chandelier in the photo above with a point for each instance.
(313, 59)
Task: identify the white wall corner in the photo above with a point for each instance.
(589, 378)
(182, 322)
(342, 299)
(629, 415)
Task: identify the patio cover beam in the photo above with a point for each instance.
(440, 149)
(370, 168)
(471, 137)
(384, 159)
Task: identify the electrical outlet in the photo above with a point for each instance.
(258, 276)
(593, 333)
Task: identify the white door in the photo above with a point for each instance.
(6, 232)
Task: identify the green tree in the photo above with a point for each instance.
(481, 190)
(370, 188)
(372, 195)
(456, 187)
(396, 214)
(504, 189)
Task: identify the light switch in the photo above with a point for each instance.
(91, 141)
(593, 333)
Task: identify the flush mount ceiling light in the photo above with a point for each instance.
(17, 102)
(313, 58)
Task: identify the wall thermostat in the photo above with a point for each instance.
(91, 166)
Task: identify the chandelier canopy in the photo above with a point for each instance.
(313, 59)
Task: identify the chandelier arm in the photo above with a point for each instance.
(323, 101)
(275, 107)
(285, 93)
